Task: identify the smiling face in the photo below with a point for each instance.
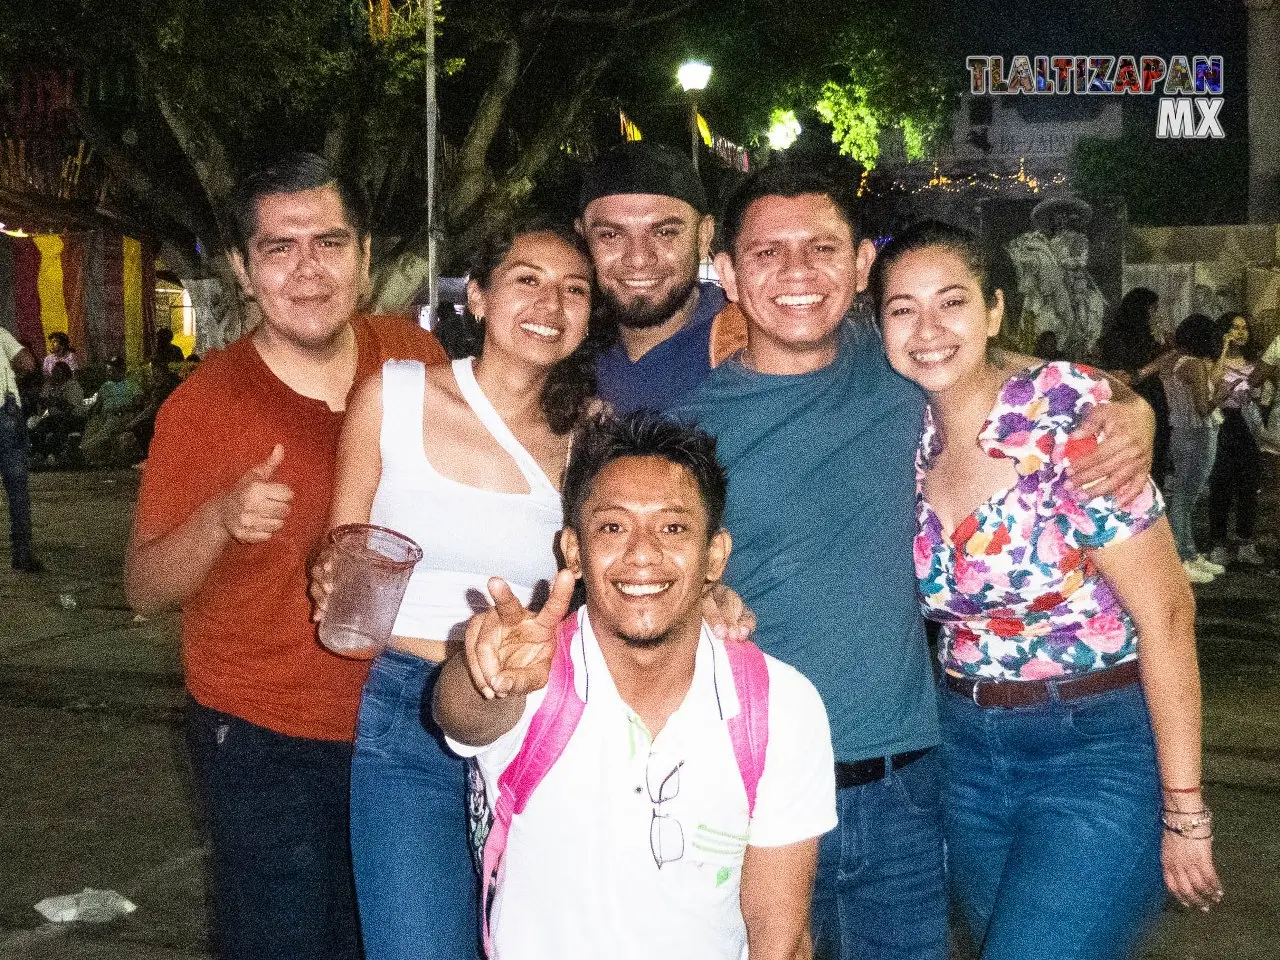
(935, 320)
(1239, 332)
(643, 551)
(646, 249)
(794, 270)
(306, 268)
(536, 302)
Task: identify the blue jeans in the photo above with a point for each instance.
(276, 811)
(415, 883)
(13, 471)
(1052, 822)
(881, 887)
(1191, 456)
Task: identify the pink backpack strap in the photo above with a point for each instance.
(549, 732)
(749, 729)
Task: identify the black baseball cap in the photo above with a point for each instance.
(640, 167)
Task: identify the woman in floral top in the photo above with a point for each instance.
(1061, 728)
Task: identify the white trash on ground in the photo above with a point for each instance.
(88, 906)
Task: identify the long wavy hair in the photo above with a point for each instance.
(571, 383)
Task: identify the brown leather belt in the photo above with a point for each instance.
(1029, 693)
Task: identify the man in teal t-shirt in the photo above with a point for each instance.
(818, 436)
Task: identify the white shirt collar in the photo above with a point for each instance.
(712, 692)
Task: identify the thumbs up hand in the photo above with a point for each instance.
(255, 508)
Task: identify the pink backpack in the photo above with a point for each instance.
(556, 719)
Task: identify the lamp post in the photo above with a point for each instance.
(693, 77)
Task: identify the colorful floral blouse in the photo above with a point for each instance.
(1014, 586)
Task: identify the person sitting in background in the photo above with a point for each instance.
(29, 383)
(161, 381)
(1193, 384)
(60, 351)
(114, 407)
(166, 350)
(62, 415)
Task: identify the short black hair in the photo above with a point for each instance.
(1197, 336)
(786, 178)
(644, 433)
(933, 233)
(293, 173)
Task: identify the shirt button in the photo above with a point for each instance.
(639, 789)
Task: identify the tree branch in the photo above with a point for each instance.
(169, 203)
(484, 127)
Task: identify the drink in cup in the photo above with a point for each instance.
(371, 568)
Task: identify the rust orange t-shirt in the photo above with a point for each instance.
(249, 647)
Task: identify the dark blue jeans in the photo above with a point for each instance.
(276, 810)
(881, 888)
(417, 888)
(13, 470)
(1052, 824)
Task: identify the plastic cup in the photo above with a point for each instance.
(371, 568)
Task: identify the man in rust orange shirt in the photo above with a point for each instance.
(234, 497)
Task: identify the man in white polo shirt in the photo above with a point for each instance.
(640, 840)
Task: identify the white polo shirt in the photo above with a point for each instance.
(580, 878)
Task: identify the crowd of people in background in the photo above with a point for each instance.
(95, 415)
(1211, 387)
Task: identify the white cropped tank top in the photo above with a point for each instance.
(467, 534)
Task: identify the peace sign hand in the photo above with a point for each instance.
(509, 649)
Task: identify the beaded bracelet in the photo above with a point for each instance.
(1186, 828)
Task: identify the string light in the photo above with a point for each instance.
(990, 182)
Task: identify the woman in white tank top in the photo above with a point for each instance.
(466, 459)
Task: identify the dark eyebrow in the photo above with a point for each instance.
(606, 507)
(517, 264)
(611, 225)
(338, 233)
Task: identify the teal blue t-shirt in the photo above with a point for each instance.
(821, 508)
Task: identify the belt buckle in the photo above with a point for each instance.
(973, 693)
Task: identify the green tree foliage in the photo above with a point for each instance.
(888, 80)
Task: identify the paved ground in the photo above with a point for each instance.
(97, 792)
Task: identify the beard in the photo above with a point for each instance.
(645, 643)
(640, 314)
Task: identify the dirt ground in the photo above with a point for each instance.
(97, 792)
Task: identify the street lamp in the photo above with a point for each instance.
(693, 77)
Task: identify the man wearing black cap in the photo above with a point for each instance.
(642, 211)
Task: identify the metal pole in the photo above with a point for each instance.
(433, 269)
(693, 128)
